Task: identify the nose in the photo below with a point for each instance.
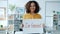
(32, 7)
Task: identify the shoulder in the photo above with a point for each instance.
(25, 16)
(38, 15)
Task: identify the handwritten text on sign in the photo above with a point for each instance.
(33, 26)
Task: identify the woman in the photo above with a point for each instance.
(32, 9)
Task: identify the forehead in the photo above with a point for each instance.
(32, 3)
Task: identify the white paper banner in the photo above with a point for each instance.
(33, 26)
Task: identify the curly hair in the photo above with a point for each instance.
(27, 6)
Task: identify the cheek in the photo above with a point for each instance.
(34, 8)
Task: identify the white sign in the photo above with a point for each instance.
(32, 26)
(2, 12)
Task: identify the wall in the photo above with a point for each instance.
(21, 3)
(3, 4)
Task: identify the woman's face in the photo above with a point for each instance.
(32, 7)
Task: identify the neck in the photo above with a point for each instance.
(32, 13)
